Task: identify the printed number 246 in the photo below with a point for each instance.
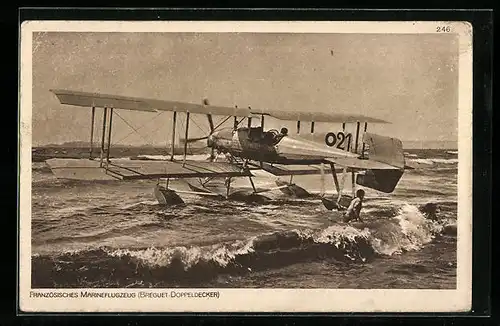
(443, 29)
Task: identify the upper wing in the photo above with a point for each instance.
(87, 99)
(317, 116)
(142, 104)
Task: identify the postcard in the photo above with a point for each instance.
(230, 166)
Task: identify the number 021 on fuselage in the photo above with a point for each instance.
(278, 147)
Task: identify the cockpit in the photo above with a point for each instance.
(270, 137)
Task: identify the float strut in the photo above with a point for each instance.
(253, 186)
(353, 181)
(336, 181)
(228, 186)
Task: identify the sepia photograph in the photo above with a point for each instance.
(188, 166)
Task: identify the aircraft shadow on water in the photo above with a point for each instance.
(372, 160)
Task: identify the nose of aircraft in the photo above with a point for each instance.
(210, 140)
(219, 138)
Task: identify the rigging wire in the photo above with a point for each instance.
(222, 122)
(134, 129)
(203, 130)
(148, 141)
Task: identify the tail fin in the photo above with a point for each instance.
(386, 150)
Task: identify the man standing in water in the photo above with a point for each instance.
(354, 209)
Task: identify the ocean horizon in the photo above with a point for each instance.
(407, 144)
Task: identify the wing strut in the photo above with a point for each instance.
(350, 138)
(103, 133)
(357, 138)
(298, 126)
(363, 149)
(92, 133)
(109, 133)
(172, 145)
(186, 137)
(210, 122)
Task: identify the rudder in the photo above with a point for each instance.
(381, 180)
(386, 150)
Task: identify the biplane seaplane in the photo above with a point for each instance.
(377, 162)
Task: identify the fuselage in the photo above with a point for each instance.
(272, 146)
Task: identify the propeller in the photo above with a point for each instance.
(194, 140)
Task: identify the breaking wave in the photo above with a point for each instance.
(406, 154)
(407, 230)
(413, 231)
(431, 161)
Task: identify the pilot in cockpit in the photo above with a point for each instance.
(255, 134)
(270, 137)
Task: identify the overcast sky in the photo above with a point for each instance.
(410, 80)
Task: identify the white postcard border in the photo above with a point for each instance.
(254, 300)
